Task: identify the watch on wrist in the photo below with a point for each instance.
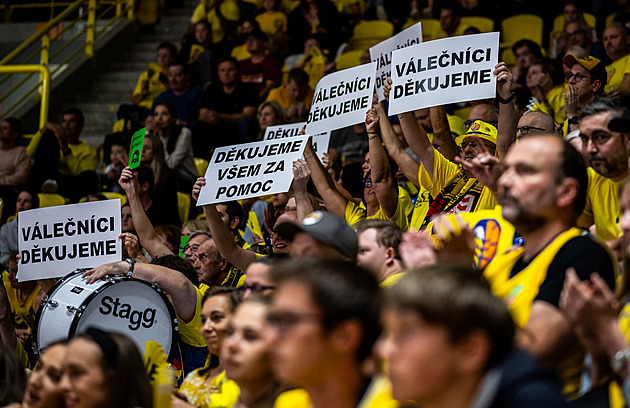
(132, 263)
(619, 360)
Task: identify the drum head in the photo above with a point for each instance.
(124, 305)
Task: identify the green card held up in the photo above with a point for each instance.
(183, 244)
(135, 148)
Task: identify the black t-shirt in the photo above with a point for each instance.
(243, 95)
(584, 254)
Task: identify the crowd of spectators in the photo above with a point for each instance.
(465, 255)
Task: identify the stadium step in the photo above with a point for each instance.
(115, 81)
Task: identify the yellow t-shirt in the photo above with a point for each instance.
(423, 200)
(240, 52)
(616, 71)
(190, 333)
(602, 206)
(83, 157)
(391, 280)
(519, 291)
(289, 5)
(555, 99)
(314, 64)
(219, 392)
(234, 279)
(272, 23)
(22, 312)
(451, 190)
(156, 87)
(356, 213)
(281, 95)
(229, 10)
(378, 395)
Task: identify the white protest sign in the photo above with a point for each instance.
(341, 99)
(444, 71)
(282, 131)
(251, 170)
(382, 53)
(320, 141)
(54, 241)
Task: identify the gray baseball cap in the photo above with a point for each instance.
(326, 227)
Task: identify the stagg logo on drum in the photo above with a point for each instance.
(136, 318)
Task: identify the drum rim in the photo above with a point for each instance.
(75, 320)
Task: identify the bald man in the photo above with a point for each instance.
(535, 123)
(485, 112)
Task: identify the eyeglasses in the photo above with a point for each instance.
(470, 122)
(193, 248)
(256, 288)
(367, 182)
(576, 77)
(286, 321)
(526, 129)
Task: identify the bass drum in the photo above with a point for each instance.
(118, 304)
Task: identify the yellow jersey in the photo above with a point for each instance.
(602, 206)
(378, 395)
(616, 71)
(520, 283)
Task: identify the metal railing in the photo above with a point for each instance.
(48, 53)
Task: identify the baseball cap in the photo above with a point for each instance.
(480, 129)
(326, 227)
(592, 64)
(621, 124)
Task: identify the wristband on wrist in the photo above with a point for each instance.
(508, 100)
(132, 263)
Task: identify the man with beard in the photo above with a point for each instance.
(542, 191)
(606, 151)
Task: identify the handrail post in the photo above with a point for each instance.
(44, 75)
(91, 24)
(130, 10)
(44, 57)
(119, 5)
(45, 50)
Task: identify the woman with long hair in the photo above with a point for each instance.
(177, 141)
(208, 386)
(104, 370)
(43, 387)
(270, 113)
(245, 355)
